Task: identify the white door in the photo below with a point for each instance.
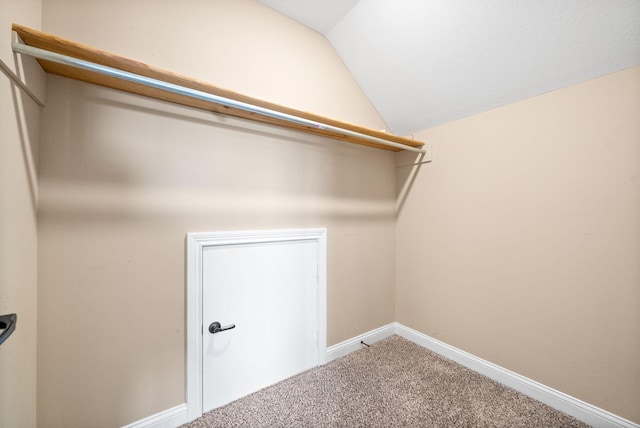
(264, 295)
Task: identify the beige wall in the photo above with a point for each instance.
(123, 179)
(19, 126)
(520, 243)
(239, 45)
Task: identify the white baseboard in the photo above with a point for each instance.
(580, 410)
(170, 418)
(177, 416)
(585, 412)
(353, 344)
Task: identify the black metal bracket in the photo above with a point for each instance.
(8, 324)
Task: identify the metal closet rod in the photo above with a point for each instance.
(193, 93)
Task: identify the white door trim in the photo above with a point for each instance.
(195, 244)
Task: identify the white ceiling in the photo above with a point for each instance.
(319, 15)
(427, 62)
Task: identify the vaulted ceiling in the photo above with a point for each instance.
(427, 62)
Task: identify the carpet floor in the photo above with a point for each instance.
(394, 383)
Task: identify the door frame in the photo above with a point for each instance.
(195, 245)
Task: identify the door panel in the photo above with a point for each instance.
(269, 291)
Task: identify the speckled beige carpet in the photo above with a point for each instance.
(394, 383)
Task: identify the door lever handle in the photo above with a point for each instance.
(216, 327)
(8, 324)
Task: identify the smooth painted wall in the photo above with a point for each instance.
(123, 179)
(520, 242)
(240, 45)
(19, 130)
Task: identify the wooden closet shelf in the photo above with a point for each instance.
(310, 123)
